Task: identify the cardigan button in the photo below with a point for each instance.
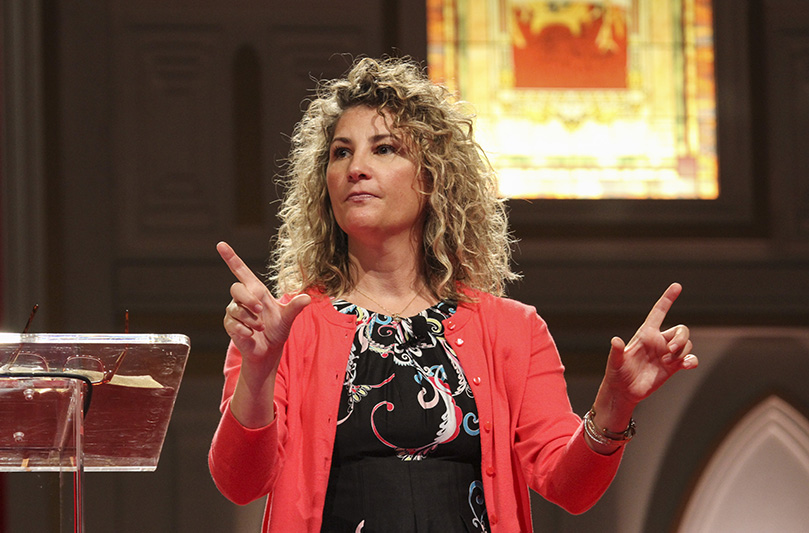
(459, 342)
(476, 380)
(490, 471)
(487, 426)
(492, 519)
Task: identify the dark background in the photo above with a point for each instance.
(137, 134)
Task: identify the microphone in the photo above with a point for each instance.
(420, 332)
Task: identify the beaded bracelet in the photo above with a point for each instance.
(604, 436)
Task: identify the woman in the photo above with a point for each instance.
(392, 387)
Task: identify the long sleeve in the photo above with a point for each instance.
(529, 434)
(243, 462)
(554, 455)
(288, 460)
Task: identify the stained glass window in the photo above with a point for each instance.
(585, 99)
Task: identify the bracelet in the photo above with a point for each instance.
(604, 436)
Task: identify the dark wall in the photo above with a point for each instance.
(160, 118)
(149, 141)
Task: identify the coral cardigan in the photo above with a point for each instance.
(529, 435)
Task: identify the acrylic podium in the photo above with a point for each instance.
(77, 403)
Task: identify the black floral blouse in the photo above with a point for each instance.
(407, 449)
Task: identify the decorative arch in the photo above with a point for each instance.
(758, 477)
(755, 396)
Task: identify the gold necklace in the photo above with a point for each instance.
(395, 316)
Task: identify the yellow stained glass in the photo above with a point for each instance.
(590, 99)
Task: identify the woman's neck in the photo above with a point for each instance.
(389, 279)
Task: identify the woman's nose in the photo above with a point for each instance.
(358, 168)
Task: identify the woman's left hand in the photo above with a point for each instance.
(652, 356)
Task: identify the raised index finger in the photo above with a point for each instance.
(661, 308)
(237, 266)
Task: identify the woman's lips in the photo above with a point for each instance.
(360, 196)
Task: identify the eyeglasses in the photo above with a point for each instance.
(91, 369)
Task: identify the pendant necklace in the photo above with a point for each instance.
(397, 317)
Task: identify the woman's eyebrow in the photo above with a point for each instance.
(373, 139)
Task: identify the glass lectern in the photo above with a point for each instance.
(76, 403)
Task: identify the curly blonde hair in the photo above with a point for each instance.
(465, 236)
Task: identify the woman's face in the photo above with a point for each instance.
(372, 178)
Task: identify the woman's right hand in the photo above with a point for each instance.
(259, 325)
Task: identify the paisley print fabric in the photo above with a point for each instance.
(407, 448)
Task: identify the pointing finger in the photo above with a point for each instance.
(661, 308)
(238, 267)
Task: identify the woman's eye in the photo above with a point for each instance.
(339, 152)
(385, 149)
